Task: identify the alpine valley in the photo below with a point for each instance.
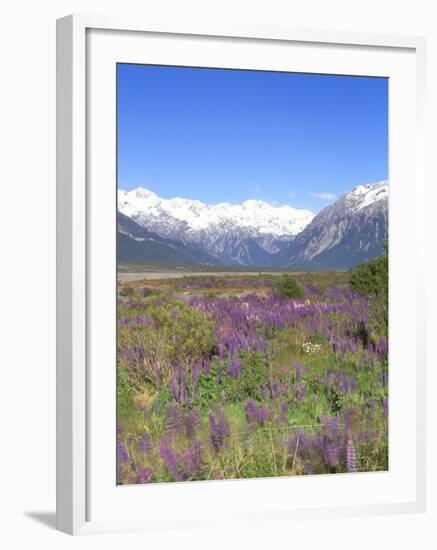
(153, 230)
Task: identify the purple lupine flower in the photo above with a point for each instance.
(237, 367)
(182, 377)
(122, 453)
(192, 457)
(282, 418)
(175, 388)
(263, 414)
(255, 415)
(273, 388)
(348, 417)
(331, 425)
(264, 391)
(144, 445)
(299, 371)
(145, 475)
(145, 320)
(169, 457)
(351, 461)
(344, 385)
(251, 411)
(174, 422)
(195, 417)
(219, 430)
(184, 396)
(331, 453)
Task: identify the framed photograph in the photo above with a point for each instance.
(240, 275)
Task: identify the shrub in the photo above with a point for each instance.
(371, 279)
(217, 384)
(288, 287)
(174, 336)
(318, 338)
(127, 291)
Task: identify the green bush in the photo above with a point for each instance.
(233, 390)
(318, 338)
(127, 291)
(371, 279)
(288, 287)
(173, 335)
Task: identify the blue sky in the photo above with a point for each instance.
(222, 135)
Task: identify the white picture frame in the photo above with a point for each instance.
(75, 306)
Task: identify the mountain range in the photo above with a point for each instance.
(255, 233)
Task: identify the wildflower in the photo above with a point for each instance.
(251, 410)
(122, 453)
(195, 417)
(192, 458)
(144, 445)
(331, 453)
(255, 415)
(219, 430)
(145, 475)
(310, 348)
(174, 422)
(169, 457)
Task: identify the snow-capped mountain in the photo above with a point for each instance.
(247, 233)
(352, 229)
(136, 244)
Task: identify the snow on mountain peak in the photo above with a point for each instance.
(251, 232)
(362, 196)
(256, 216)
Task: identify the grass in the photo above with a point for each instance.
(220, 378)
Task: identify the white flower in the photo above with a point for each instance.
(311, 347)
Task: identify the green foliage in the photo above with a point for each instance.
(318, 338)
(260, 462)
(288, 287)
(149, 292)
(255, 373)
(178, 335)
(186, 330)
(165, 398)
(125, 391)
(127, 291)
(125, 394)
(371, 279)
(233, 390)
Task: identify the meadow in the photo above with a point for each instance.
(231, 376)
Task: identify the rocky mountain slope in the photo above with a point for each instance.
(246, 234)
(254, 233)
(136, 244)
(352, 229)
